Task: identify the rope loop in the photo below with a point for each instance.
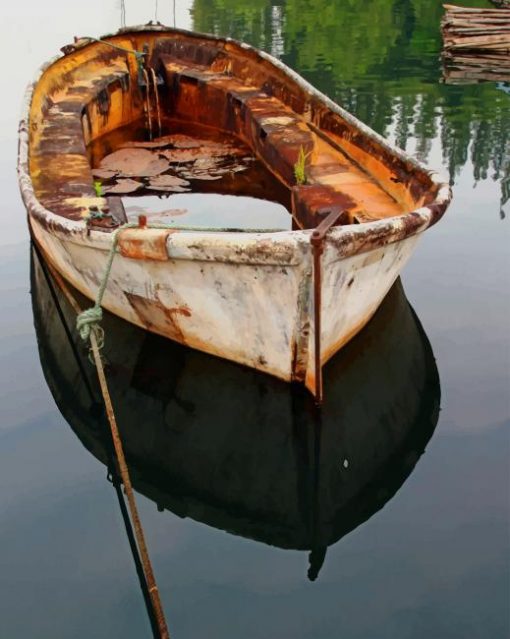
(89, 320)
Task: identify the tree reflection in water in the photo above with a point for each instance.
(380, 60)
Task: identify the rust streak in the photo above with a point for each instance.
(144, 243)
(317, 240)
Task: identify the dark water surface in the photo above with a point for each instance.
(274, 525)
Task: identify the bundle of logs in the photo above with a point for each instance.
(476, 44)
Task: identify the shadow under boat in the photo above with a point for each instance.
(241, 451)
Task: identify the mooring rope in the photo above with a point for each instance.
(139, 54)
(88, 321)
(123, 468)
(112, 467)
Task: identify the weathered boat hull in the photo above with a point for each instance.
(272, 301)
(257, 313)
(243, 452)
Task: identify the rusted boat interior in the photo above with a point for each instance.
(273, 138)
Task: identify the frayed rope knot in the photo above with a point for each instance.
(89, 320)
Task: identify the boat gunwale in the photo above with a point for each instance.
(348, 240)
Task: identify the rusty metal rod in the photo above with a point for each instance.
(116, 482)
(148, 102)
(317, 241)
(317, 301)
(124, 472)
(117, 485)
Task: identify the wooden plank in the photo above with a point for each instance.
(473, 10)
(476, 44)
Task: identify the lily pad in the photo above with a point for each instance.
(167, 181)
(104, 174)
(181, 141)
(134, 163)
(177, 140)
(206, 164)
(123, 187)
(208, 151)
(206, 176)
(180, 156)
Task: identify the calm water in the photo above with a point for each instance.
(406, 545)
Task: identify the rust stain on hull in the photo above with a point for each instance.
(144, 244)
(153, 314)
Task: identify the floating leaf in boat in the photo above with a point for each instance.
(104, 174)
(170, 183)
(134, 163)
(206, 151)
(177, 140)
(180, 156)
(206, 176)
(181, 141)
(206, 164)
(168, 180)
(123, 187)
(238, 167)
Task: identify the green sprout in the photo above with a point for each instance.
(299, 167)
(98, 188)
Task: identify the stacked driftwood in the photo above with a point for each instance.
(476, 44)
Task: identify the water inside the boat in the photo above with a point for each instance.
(188, 176)
(212, 210)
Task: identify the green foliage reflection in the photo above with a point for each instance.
(379, 59)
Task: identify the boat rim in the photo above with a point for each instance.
(349, 240)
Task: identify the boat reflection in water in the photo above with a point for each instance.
(244, 452)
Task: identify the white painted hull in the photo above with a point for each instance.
(257, 313)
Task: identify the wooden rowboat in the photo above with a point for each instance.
(283, 301)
